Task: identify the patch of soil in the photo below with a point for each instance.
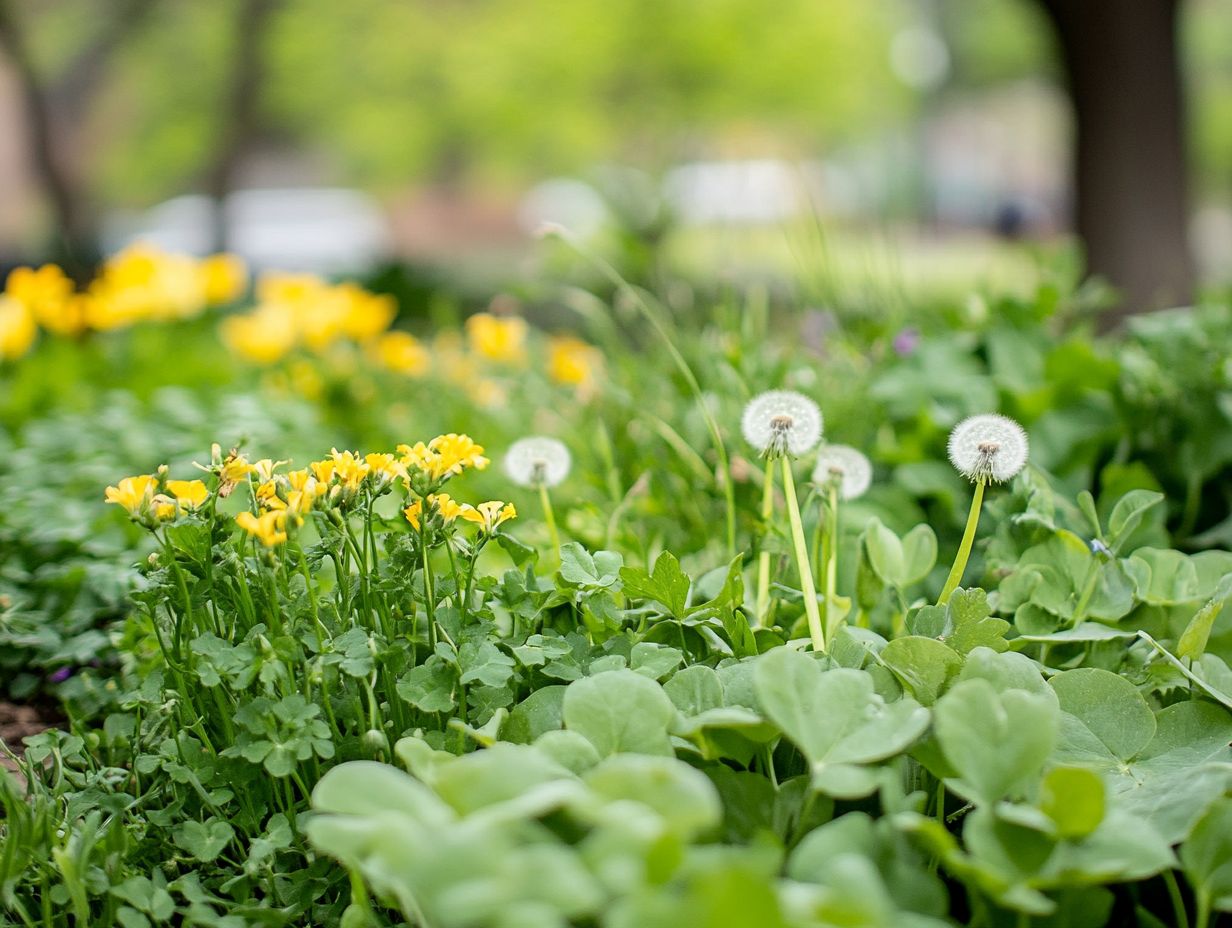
(19, 721)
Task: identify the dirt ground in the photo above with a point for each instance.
(20, 721)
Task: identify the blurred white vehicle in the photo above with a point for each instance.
(323, 230)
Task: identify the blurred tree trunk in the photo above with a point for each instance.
(1123, 68)
(56, 110)
(241, 111)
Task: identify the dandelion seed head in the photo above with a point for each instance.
(538, 461)
(988, 447)
(850, 467)
(780, 422)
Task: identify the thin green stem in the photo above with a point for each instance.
(816, 630)
(1179, 914)
(831, 580)
(550, 518)
(964, 549)
(763, 557)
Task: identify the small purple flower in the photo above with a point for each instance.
(59, 676)
(1098, 547)
(906, 341)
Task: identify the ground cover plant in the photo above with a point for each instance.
(676, 655)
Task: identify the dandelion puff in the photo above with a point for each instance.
(781, 422)
(537, 461)
(850, 467)
(988, 448)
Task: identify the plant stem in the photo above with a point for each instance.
(831, 580)
(1178, 903)
(964, 549)
(816, 631)
(550, 518)
(763, 557)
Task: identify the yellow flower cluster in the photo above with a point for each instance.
(141, 283)
(142, 497)
(574, 363)
(283, 499)
(296, 310)
(444, 456)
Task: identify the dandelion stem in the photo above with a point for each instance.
(964, 549)
(816, 631)
(763, 557)
(831, 556)
(549, 518)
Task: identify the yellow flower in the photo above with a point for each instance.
(264, 468)
(402, 353)
(223, 278)
(573, 362)
(45, 292)
(189, 493)
(384, 467)
(367, 314)
(267, 496)
(163, 508)
(323, 471)
(445, 456)
(17, 328)
(349, 469)
(442, 503)
(134, 494)
(269, 528)
(262, 337)
(446, 506)
(234, 468)
(145, 282)
(488, 515)
(497, 338)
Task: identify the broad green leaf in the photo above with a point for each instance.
(834, 717)
(1207, 855)
(1163, 577)
(1108, 707)
(1128, 512)
(885, 553)
(1073, 797)
(539, 712)
(654, 660)
(919, 554)
(204, 840)
(493, 775)
(694, 690)
(998, 742)
(924, 665)
(620, 711)
(363, 787)
(667, 585)
(683, 796)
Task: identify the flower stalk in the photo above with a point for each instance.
(807, 587)
(964, 549)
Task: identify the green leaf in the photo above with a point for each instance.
(694, 690)
(668, 584)
(429, 687)
(1103, 706)
(885, 553)
(1207, 855)
(925, 666)
(1073, 797)
(654, 660)
(204, 840)
(1193, 640)
(539, 712)
(684, 797)
(998, 742)
(1127, 513)
(620, 710)
(834, 717)
(579, 568)
(919, 554)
